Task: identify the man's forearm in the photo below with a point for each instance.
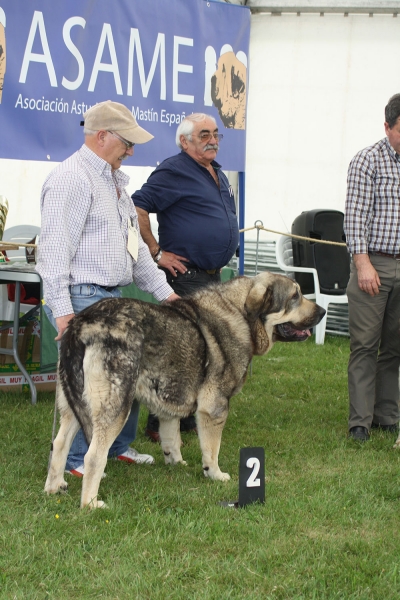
(145, 230)
(361, 260)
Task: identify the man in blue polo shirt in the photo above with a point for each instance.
(197, 223)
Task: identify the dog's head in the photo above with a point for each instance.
(228, 90)
(277, 311)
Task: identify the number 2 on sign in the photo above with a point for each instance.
(253, 480)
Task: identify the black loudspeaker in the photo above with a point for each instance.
(332, 262)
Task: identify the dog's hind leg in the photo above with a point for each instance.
(171, 441)
(210, 432)
(106, 427)
(69, 426)
(94, 465)
(96, 458)
(109, 393)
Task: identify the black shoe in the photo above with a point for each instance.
(394, 428)
(360, 434)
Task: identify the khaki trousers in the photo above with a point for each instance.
(373, 370)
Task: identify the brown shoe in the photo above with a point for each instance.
(152, 426)
(153, 436)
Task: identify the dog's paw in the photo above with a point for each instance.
(397, 443)
(95, 504)
(222, 476)
(56, 488)
(170, 459)
(216, 475)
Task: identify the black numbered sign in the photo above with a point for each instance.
(251, 476)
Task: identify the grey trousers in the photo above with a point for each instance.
(373, 371)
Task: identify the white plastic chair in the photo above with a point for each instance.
(284, 258)
(20, 234)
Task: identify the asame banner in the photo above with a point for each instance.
(163, 59)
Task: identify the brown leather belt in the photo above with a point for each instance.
(395, 256)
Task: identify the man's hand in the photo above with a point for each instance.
(368, 278)
(171, 298)
(168, 260)
(62, 323)
(172, 262)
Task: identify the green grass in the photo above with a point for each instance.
(329, 528)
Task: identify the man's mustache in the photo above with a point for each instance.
(211, 147)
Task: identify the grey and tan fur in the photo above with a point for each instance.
(188, 356)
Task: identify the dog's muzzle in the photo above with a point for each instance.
(286, 332)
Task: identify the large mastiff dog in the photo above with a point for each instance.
(188, 356)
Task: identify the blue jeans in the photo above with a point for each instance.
(82, 296)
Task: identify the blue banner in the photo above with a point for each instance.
(163, 59)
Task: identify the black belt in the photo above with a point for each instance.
(395, 256)
(198, 270)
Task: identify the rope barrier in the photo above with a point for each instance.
(17, 245)
(258, 227)
(292, 235)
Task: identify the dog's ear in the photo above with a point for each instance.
(258, 303)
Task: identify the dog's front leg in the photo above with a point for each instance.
(210, 433)
(171, 441)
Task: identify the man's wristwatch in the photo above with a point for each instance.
(157, 256)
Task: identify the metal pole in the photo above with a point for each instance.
(258, 224)
(24, 372)
(241, 186)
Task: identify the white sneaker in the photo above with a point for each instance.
(133, 456)
(80, 471)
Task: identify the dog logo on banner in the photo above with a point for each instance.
(225, 85)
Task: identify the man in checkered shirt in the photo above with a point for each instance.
(90, 242)
(372, 227)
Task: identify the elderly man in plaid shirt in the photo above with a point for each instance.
(90, 242)
(372, 227)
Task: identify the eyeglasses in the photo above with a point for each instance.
(205, 136)
(128, 145)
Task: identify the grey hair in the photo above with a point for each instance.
(186, 126)
(87, 131)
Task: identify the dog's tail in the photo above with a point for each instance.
(71, 377)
